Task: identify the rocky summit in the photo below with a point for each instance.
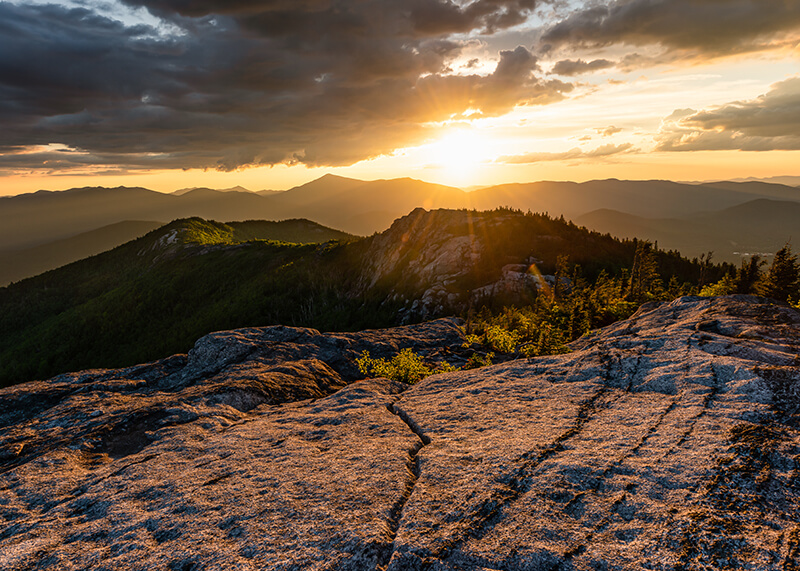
(667, 441)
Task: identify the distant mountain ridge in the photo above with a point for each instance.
(27, 262)
(157, 294)
(760, 226)
(17, 265)
(787, 180)
(365, 207)
(237, 188)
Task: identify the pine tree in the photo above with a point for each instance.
(783, 279)
(562, 271)
(645, 280)
(705, 266)
(748, 275)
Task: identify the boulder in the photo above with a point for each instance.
(667, 441)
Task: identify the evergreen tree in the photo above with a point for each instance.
(748, 275)
(645, 280)
(562, 271)
(783, 278)
(705, 267)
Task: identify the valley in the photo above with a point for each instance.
(727, 218)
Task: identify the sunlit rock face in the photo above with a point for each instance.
(443, 260)
(667, 441)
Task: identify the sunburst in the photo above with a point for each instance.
(459, 155)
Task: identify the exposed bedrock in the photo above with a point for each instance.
(667, 441)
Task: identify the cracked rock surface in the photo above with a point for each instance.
(667, 441)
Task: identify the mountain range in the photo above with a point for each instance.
(157, 294)
(32, 260)
(755, 227)
(726, 217)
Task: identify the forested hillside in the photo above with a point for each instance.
(155, 296)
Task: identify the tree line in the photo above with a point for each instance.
(574, 305)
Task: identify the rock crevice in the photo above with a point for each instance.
(411, 477)
(668, 442)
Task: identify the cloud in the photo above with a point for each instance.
(600, 152)
(609, 131)
(471, 64)
(769, 122)
(570, 67)
(423, 18)
(248, 82)
(710, 27)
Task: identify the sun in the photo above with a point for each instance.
(459, 155)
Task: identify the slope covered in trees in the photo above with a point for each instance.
(155, 296)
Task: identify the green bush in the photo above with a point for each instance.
(407, 367)
(477, 360)
(725, 286)
(501, 339)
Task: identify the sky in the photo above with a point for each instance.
(269, 94)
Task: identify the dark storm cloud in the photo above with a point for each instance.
(54, 161)
(770, 122)
(715, 27)
(323, 82)
(196, 8)
(51, 59)
(570, 67)
(421, 17)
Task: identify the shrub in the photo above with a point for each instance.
(477, 360)
(725, 286)
(501, 339)
(406, 366)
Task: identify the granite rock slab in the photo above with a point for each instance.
(666, 441)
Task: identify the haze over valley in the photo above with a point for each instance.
(44, 230)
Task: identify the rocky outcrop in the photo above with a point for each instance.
(668, 441)
(444, 260)
(517, 281)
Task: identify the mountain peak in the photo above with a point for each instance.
(183, 191)
(331, 176)
(331, 179)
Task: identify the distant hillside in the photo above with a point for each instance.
(346, 204)
(322, 188)
(764, 189)
(787, 180)
(357, 206)
(28, 262)
(364, 207)
(17, 265)
(42, 217)
(298, 231)
(649, 199)
(29, 220)
(183, 191)
(211, 233)
(154, 296)
(758, 226)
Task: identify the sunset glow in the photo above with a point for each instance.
(167, 95)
